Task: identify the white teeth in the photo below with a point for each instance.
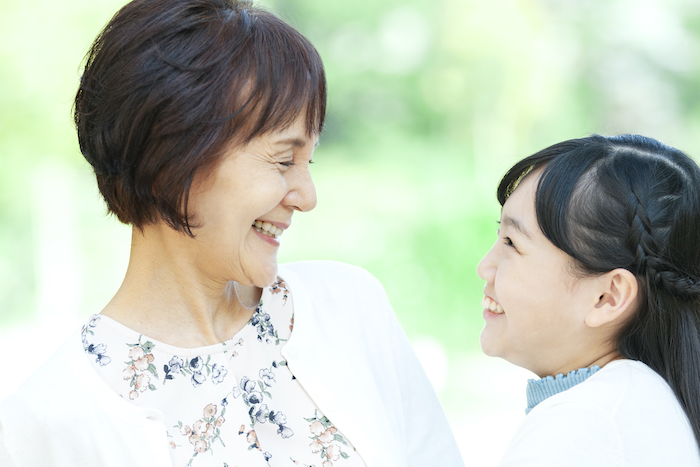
(492, 305)
(267, 229)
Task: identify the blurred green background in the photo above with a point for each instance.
(430, 103)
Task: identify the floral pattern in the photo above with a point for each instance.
(264, 327)
(253, 393)
(232, 344)
(234, 400)
(204, 432)
(278, 287)
(194, 368)
(326, 440)
(139, 367)
(99, 350)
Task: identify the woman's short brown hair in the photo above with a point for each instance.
(169, 85)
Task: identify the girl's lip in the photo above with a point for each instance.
(488, 301)
(488, 314)
(487, 291)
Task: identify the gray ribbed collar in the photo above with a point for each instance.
(540, 389)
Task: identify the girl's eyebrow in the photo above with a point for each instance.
(517, 225)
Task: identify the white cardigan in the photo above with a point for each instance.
(623, 415)
(65, 415)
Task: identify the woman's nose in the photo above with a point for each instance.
(302, 195)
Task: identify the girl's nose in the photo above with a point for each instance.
(486, 269)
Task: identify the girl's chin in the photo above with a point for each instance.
(492, 337)
(487, 347)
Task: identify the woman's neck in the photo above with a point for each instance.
(167, 297)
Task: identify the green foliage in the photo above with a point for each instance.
(429, 104)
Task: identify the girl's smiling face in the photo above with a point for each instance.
(534, 306)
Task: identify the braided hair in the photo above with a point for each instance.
(631, 202)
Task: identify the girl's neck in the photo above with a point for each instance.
(600, 360)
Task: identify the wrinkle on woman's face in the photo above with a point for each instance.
(265, 181)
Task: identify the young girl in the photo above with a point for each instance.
(594, 285)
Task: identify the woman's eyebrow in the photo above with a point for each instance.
(295, 142)
(517, 225)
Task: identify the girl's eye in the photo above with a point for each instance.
(286, 163)
(508, 242)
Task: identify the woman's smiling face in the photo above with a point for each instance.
(534, 307)
(261, 183)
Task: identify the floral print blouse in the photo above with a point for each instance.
(224, 405)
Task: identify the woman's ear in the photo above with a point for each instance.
(618, 298)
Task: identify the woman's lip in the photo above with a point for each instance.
(271, 240)
(281, 225)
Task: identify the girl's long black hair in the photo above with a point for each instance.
(631, 202)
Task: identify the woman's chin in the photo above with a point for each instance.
(265, 277)
(258, 270)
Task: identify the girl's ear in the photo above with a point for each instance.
(618, 298)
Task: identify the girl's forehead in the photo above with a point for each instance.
(522, 200)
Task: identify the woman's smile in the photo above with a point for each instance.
(267, 228)
(269, 232)
(245, 205)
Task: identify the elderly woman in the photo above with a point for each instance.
(200, 118)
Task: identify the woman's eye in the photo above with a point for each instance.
(508, 241)
(286, 163)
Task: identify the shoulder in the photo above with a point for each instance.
(617, 387)
(573, 421)
(650, 421)
(326, 272)
(329, 296)
(624, 413)
(44, 403)
(603, 391)
(570, 432)
(333, 283)
(626, 392)
(66, 408)
(55, 373)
